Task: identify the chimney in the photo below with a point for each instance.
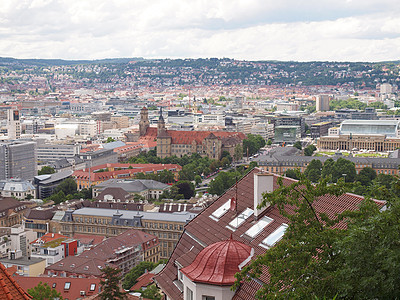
(262, 183)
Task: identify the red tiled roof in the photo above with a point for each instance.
(77, 286)
(187, 137)
(143, 281)
(9, 288)
(218, 263)
(89, 238)
(136, 168)
(203, 231)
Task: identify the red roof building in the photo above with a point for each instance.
(9, 288)
(69, 288)
(119, 171)
(205, 258)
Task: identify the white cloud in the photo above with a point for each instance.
(244, 29)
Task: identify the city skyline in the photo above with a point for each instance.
(249, 30)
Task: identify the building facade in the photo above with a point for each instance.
(18, 160)
(110, 222)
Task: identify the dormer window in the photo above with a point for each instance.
(274, 237)
(221, 211)
(239, 220)
(254, 230)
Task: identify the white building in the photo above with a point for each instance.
(17, 188)
(13, 124)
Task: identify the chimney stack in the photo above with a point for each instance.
(262, 183)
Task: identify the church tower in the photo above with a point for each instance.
(161, 131)
(144, 121)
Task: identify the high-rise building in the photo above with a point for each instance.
(322, 103)
(18, 160)
(13, 124)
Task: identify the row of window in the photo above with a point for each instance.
(163, 226)
(254, 230)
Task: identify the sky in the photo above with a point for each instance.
(287, 30)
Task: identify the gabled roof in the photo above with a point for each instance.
(9, 288)
(206, 229)
(90, 286)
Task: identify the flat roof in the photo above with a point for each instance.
(372, 122)
(183, 216)
(24, 261)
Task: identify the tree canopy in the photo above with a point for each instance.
(46, 170)
(317, 260)
(44, 292)
(110, 284)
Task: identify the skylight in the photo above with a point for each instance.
(67, 285)
(236, 222)
(274, 237)
(221, 210)
(254, 230)
(92, 286)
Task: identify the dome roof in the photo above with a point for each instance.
(218, 263)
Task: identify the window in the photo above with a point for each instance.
(236, 222)
(254, 230)
(274, 237)
(67, 285)
(92, 286)
(207, 298)
(221, 210)
(189, 294)
(54, 285)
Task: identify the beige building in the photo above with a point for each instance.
(25, 266)
(110, 222)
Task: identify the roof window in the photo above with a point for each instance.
(239, 220)
(92, 286)
(67, 285)
(221, 210)
(254, 230)
(274, 237)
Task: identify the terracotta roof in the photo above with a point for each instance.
(218, 263)
(143, 281)
(87, 239)
(9, 288)
(204, 230)
(188, 137)
(90, 286)
(142, 168)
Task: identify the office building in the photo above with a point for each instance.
(322, 103)
(18, 160)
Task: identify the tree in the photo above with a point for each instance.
(298, 145)
(344, 168)
(197, 179)
(46, 170)
(136, 272)
(370, 256)
(301, 264)
(366, 175)
(110, 284)
(110, 140)
(185, 188)
(152, 292)
(309, 150)
(313, 170)
(292, 173)
(269, 142)
(44, 292)
(238, 154)
(68, 186)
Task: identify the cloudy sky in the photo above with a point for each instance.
(302, 30)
